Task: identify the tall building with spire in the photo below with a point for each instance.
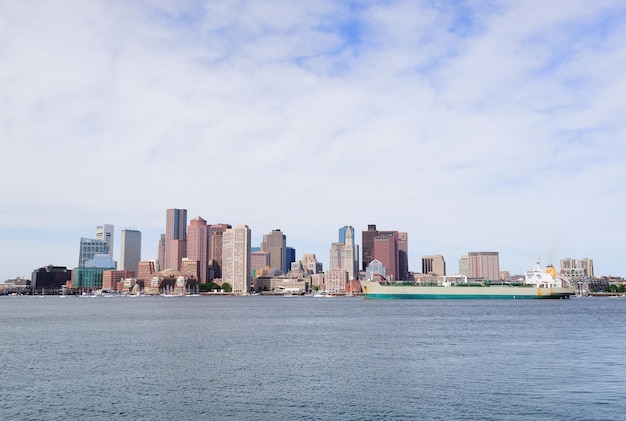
(344, 253)
(197, 246)
(351, 254)
(236, 258)
(175, 238)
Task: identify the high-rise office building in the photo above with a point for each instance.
(434, 265)
(89, 248)
(197, 246)
(388, 247)
(259, 260)
(290, 257)
(484, 265)
(216, 231)
(275, 243)
(403, 256)
(236, 258)
(310, 263)
(175, 238)
(130, 253)
(367, 244)
(386, 251)
(106, 232)
(464, 266)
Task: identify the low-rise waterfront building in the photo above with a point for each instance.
(50, 277)
(170, 283)
(336, 280)
(318, 281)
(375, 267)
(111, 278)
(279, 284)
(87, 278)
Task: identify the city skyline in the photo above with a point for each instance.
(469, 126)
(481, 262)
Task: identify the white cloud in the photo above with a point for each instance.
(471, 127)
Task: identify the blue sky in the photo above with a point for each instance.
(473, 126)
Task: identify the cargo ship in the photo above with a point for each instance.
(536, 284)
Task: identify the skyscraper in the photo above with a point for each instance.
(105, 232)
(351, 254)
(386, 251)
(236, 258)
(464, 266)
(484, 265)
(130, 253)
(336, 255)
(388, 247)
(310, 263)
(275, 243)
(259, 260)
(344, 254)
(403, 256)
(175, 238)
(367, 244)
(197, 246)
(89, 248)
(160, 263)
(216, 231)
(342, 233)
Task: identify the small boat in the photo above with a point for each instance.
(324, 294)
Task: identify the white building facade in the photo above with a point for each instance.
(236, 258)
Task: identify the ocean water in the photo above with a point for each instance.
(301, 358)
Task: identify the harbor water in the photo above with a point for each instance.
(302, 358)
